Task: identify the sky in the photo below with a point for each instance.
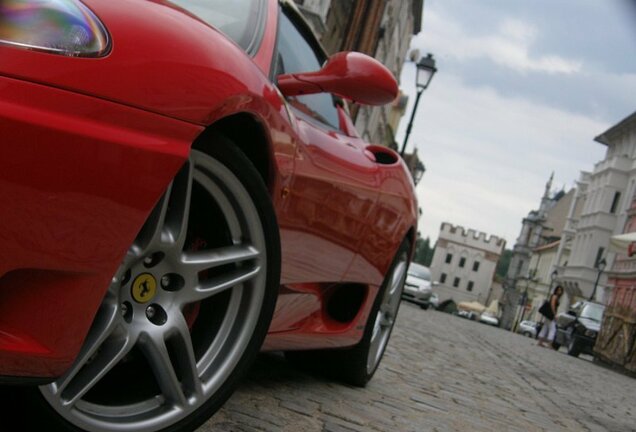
(522, 89)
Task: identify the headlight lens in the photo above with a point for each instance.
(65, 27)
(590, 333)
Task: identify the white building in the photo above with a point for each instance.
(605, 194)
(464, 264)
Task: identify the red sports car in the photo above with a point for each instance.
(182, 186)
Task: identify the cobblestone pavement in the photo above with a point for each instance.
(440, 373)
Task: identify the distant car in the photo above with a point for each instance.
(467, 314)
(578, 328)
(488, 318)
(527, 328)
(417, 288)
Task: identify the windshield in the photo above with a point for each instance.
(238, 19)
(420, 271)
(592, 311)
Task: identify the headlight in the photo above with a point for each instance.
(65, 27)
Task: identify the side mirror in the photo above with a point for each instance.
(571, 313)
(351, 75)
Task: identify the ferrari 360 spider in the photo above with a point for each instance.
(182, 186)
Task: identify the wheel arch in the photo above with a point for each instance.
(411, 235)
(249, 135)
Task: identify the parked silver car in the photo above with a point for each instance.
(527, 328)
(417, 288)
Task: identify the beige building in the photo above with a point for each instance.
(464, 264)
(604, 201)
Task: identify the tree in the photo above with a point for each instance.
(423, 251)
(504, 263)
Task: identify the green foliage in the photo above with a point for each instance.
(504, 263)
(423, 251)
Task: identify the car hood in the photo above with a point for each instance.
(590, 324)
(421, 284)
(161, 61)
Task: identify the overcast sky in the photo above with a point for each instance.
(522, 89)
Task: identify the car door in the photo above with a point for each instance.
(335, 184)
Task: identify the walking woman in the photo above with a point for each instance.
(549, 310)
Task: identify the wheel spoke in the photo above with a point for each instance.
(111, 352)
(156, 351)
(185, 358)
(386, 321)
(105, 323)
(195, 262)
(168, 223)
(220, 283)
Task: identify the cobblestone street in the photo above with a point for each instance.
(440, 373)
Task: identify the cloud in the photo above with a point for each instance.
(488, 156)
(509, 45)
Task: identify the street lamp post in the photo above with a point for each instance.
(425, 71)
(600, 266)
(553, 277)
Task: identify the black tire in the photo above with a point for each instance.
(260, 306)
(574, 347)
(424, 306)
(527, 334)
(351, 365)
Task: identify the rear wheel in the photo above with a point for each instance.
(187, 310)
(357, 365)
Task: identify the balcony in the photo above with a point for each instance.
(619, 163)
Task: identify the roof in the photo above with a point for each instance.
(607, 136)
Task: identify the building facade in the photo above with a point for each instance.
(606, 198)
(464, 264)
(539, 228)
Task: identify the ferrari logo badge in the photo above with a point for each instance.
(144, 288)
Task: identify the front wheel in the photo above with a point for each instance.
(186, 312)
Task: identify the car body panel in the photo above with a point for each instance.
(89, 146)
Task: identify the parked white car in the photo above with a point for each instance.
(417, 288)
(490, 319)
(527, 328)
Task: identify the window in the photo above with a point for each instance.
(462, 261)
(456, 282)
(470, 285)
(615, 201)
(239, 19)
(476, 266)
(442, 278)
(295, 54)
(449, 258)
(599, 256)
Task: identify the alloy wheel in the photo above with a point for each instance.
(179, 313)
(387, 313)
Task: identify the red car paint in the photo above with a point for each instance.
(89, 145)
